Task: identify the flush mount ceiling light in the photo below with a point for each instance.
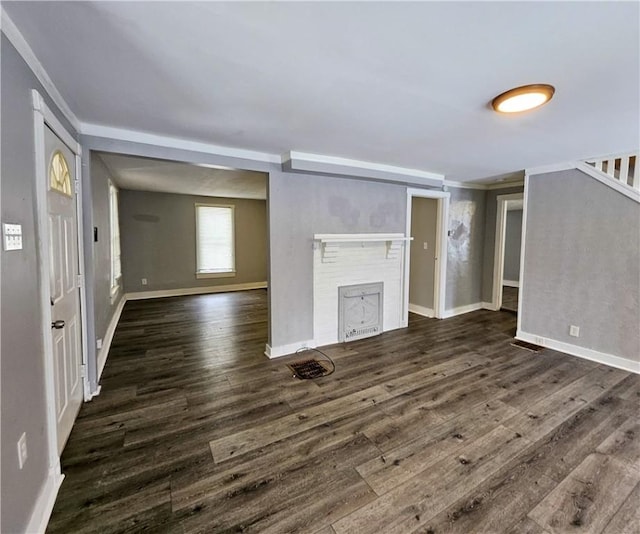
(523, 98)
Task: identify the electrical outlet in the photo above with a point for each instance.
(574, 330)
(98, 343)
(425, 245)
(144, 281)
(22, 450)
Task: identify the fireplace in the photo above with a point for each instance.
(360, 311)
(358, 286)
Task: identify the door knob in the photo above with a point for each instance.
(57, 324)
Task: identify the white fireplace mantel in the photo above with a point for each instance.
(350, 238)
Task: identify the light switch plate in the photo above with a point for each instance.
(12, 236)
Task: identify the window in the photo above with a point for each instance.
(114, 224)
(215, 247)
(59, 177)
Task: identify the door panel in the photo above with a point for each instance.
(65, 293)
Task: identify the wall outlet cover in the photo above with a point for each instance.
(144, 281)
(574, 330)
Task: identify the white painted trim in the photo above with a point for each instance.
(545, 169)
(483, 187)
(39, 104)
(358, 164)
(441, 247)
(139, 295)
(452, 312)
(108, 337)
(581, 352)
(284, 350)
(19, 42)
(525, 201)
(610, 181)
(511, 283)
(499, 244)
(86, 384)
(43, 115)
(350, 238)
(45, 501)
(421, 310)
(122, 134)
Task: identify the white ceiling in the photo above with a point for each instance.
(404, 84)
(147, 174)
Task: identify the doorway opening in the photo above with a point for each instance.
(426, 255)
(508, 243)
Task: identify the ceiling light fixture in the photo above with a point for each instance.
(523, 98)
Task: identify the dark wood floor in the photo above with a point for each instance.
(510, 298)
(442, 427)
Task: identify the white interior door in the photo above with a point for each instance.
(64, 287)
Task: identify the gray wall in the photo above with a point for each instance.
(490, 238)
(582, 264)
(465, 247)
(157, 236)
(103, 309)
(22, 381)
(424, 218)
(512, 239)
(302, 205)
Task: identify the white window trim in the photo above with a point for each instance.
(206, 273)
(116, 283)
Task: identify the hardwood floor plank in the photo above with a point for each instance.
(624, 444)
(253, 438)
(627, 519)
(411, 505)
(437, 442)
(588, 498)
(442, 426)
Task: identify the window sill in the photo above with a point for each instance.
(227, 274)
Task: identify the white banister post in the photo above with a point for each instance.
(624, 169)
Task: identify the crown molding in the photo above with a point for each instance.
(19, 42)
(122, 134)
(484, 187)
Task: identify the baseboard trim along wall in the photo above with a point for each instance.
(511, 283)
(108, 336)
(421, 310)
(138, 295)
(452, 312)
(581, 352)
(290, 348)
(46, 499)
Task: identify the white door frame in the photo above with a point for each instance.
(42, 117)
(442, 226)
(498, 255)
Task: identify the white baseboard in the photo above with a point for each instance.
(421, 310)
(284, 350)
(108, 337)
(138, 295)
(44, 503)
(511, 283)
(452, 312)
(581, 352)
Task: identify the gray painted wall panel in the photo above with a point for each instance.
(22, 381)
(103, 308)
(465, 247)
(157, 233)
(490, 238)
(424, 218)
(301, 206)
(582, 264)
(512, 239)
